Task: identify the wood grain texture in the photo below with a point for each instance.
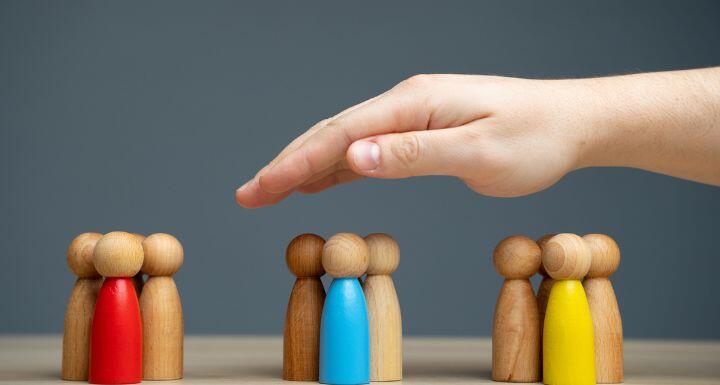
(139, 278)
(80, 255)
(80, 307)
(384, 316)
(161, 309)
(77, 329)
(163, 329)
(568, 353)
(345, 255)
(301, 338)
(118, 254)
(604, 309)
(241, 360)
(516, 323)
(543, 293)
(566, 256)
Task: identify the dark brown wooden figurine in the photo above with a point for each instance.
(301, 342)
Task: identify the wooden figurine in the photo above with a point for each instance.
(116, 341)
(568, 353)
(344, 331)
(516, 325)
(604, 308)
(80, 308)
(543, 292)
(383, 309)
(301, 339)
(161, 309)
(138, 280)
(545, 284)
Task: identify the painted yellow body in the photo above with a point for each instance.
(568, 342)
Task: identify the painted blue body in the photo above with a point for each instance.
(344, 335)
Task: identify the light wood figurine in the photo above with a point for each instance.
(80, 308)
(384, 316)
(543, 292)
(301, 339)
(138, 279)
(568, 353)
(516, 325)
(161, 309)
(604, 309)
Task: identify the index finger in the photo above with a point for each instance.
(392, 112)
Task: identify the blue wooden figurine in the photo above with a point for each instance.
(344, 336)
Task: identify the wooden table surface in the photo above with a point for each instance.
(253, 360)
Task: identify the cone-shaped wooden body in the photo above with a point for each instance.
(163, 329)
(604, 308)
(78, 326)
(607, 326)
(385, 323)
(516, 334)
(301, 340)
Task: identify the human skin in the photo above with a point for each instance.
(507, 137)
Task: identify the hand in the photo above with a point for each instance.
(502, 136)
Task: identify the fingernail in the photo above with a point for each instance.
(366, 155)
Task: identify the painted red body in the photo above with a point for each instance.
(116, 341)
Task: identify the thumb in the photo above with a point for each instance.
(402, 155)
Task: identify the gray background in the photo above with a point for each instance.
(145, 116)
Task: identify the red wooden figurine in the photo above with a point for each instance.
(116, 342)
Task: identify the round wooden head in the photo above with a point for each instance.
(80, 255)
(541, 242)
(304, 256)
(517, 257)
(139, 237)
(605, 255)
(163, 255)
(118, 254)
(384, 254)
(345, 255)
(566, 256)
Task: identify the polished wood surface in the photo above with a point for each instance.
(258, 360)
(80, 307)
(301, 341)
(384, 316)
(516, 322)
(607, 323)
(161, 309)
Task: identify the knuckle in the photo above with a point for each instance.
(418, 81)
(331, 123)
(337, 126)
(406, 149)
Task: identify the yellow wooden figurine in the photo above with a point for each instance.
(568, 341)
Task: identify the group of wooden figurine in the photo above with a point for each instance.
(352, 335)
(110, 336)
(571, 333)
